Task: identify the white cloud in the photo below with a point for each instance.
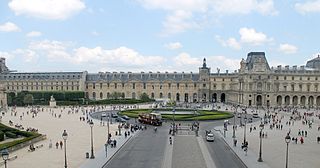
(265, 7)
(27, 55)
(6, 55)
(47, 9)
(34, 34)
(308, 7)
(223, 63)
(184, 59)
(231, 42)
(183, 14)
(178, 22)
(252, 37)
(288, 48)
(173, 46)
(9, 27)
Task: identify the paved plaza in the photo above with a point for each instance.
(49, 123)
(273, 143)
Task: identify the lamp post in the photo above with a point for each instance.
(108, 128)
(287, 139)
(260, 152)
(245, 128)
(174, 111)
(91, 126)
(65, 137)
(234, 123)
(5, 156)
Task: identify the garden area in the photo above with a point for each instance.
(12, 134)
(201, 115)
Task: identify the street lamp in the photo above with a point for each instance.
(260, 152)
(287, 139)
(173, 111)
(5, 156)
(108, 137)
(65, 137)
(245, 128)
(234, 123)
(91, 126)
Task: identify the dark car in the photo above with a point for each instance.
(114, 115)
(119, 119)
(125, 117)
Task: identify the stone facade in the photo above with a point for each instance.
(254, 84)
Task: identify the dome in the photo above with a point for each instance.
(314, 63)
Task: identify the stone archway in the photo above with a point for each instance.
(295, 100)
(259, 100)
(214, 97)
(279, 100)
(310, 101)
(287, 100)
(178, 97)
(318, 101)
(303, 101)
(223, 98)
(186, 97)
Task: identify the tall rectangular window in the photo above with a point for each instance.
(133, 86)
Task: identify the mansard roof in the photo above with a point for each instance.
(41, 76)
(124, 77)
(314, 63)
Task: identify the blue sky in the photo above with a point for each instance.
(155, 35)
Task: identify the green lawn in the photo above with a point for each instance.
(202, 114)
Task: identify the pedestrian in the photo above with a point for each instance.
(57, 145)
(61, 144)
(115, 143)
(50, 144)
(301, 140)
(305, 133)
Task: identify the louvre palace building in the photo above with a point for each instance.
(255, 83)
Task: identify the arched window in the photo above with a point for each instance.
(101, 95)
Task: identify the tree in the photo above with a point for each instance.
(28, 99)
(115, 95)
(144, 97)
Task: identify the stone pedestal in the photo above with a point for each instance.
(52, 102)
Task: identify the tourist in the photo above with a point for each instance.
(57, 145)
(61, 144)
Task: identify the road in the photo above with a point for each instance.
(147, 149)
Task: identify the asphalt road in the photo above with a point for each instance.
(146, 150)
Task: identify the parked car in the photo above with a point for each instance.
(103, 114)
(119, 119)
(114, 115)
(210, 137)
(125, 117)
(255, 115)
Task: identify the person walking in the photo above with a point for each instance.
(57, 145)
(61, 144)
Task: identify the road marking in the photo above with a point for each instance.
(206, 155)
(167, 161)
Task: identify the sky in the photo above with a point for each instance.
(155, 35)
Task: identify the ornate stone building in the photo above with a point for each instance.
(254, 84)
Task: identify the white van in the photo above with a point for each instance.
(210, 137)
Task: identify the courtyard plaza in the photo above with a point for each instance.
(282, 121)
(52, 122)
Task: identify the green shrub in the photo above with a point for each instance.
(11, 135)
(1, 136)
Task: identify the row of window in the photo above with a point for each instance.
(116, 85)
(43, 83)
(43, 88)
(40, 77)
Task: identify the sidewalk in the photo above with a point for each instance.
(100, 156)
(274, 145)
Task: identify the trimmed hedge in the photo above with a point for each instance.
(1, 136)
(11, 132)
(11, 135)
(117, 101)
